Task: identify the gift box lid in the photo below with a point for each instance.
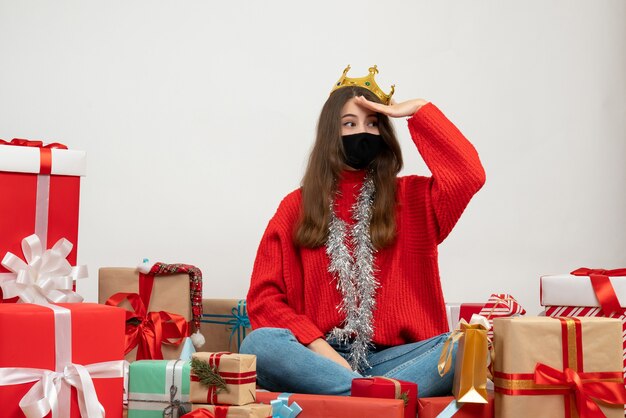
(570, 290)
(21, 159)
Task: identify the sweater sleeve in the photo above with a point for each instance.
(457, 173)
(268, 297)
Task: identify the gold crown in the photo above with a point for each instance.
(367, 82)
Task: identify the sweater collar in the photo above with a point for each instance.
(352, 176)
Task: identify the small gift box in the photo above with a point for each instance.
(384, 387)
(252, 410)
(447, 406)
(558, 367)
(605, 289)
(457, 311)
(470, 367)
(40, 188)
(314, 406)
(223, 378)
(61, 360)
(158, 388)
(157, 322)
(224, 324)
(500, 305)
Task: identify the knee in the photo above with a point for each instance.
(262, 340)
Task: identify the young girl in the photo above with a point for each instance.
(346, 282)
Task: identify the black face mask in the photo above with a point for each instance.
(361, 149)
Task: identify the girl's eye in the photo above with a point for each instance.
(373, 123)
(350, 124)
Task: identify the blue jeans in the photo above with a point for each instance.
(285, 365)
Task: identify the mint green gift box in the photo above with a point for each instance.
(158, 388)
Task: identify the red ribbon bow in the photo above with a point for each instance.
(586, 388)
(602, 286)
(149, 330)
(45, 151)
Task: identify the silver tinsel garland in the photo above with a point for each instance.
(355, 275)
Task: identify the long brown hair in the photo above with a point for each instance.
(327, 161)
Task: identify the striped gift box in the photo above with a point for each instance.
(500, 305)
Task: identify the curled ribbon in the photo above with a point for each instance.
(282, 409)
(445, 359)
(585, 391)
(149, 330)
(46, 276)
(602, 286)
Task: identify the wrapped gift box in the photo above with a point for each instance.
(237, 375)
(158, 388)
(224, 324)
(112, 280)
(574, 290)
(40, 190)
(432, 407)
(252, 410)
(314, 406)
(500, 305)
(574, 295)
(457, 311)
(384, 387)
(539, 359)
(56, 338)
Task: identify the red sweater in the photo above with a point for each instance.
(291, 287)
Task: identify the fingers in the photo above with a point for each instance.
(377, 107)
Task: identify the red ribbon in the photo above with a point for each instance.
(218, 412)
(585, 391)
(230, 378)
(602, 286)
(149, 330)
(45, 151)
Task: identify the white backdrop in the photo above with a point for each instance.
(198, 116)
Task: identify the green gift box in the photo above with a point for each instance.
(158, 388)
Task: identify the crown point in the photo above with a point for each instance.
(367, 82)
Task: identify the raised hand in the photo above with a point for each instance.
(394, 110)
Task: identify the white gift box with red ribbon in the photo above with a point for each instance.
(587, 292)
(577, 290)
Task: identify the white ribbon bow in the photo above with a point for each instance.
(46, 276)
(43, 397)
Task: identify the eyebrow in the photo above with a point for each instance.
(354, 116)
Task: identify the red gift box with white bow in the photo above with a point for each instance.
(61, 360)
(40, 192)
